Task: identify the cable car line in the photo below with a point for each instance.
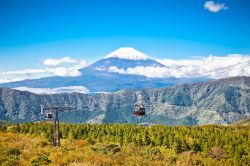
(231, 67)
(228, 66)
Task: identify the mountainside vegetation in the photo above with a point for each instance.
(221, 101)
(120, 144)
(243, 122)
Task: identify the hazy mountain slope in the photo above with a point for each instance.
(220, 101)
(100, 81)
(243, 122)
(123, 63)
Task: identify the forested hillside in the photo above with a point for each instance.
(129, 144)
(221, 101)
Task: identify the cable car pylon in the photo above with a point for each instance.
(53, 112)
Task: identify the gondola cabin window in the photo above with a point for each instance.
(49, 115)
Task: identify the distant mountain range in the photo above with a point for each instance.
(106, 75)
(223, 101)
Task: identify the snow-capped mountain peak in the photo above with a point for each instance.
(127, 53)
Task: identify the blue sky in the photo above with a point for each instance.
(34, 30)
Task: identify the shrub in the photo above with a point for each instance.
(153, 151)
(3, 128)
(9, 156)
(42, 159)
(43, 143)
(216, 153)
(105, 149)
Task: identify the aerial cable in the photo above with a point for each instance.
(227, 66)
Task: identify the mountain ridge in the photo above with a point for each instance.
(214, 102)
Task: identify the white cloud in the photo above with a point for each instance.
(63, 71)
(26, 71)
(9, 80)
(38, 73)
(68, 89)
(210, 66)
(83, 63)
(214, 7)
(57, 62)
(116, 69)
(53, 67)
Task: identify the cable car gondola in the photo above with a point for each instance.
(139, 110)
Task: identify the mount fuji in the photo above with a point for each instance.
(104, 76)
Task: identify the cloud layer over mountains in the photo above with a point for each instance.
(211, 66)
(52, 67)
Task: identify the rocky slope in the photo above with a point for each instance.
(221, 101)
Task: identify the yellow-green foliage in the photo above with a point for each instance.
(243, 122)
(85, 144)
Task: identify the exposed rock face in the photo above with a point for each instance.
(219, 102)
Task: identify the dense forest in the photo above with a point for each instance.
(196, 145)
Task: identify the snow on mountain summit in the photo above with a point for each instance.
(127, 53)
